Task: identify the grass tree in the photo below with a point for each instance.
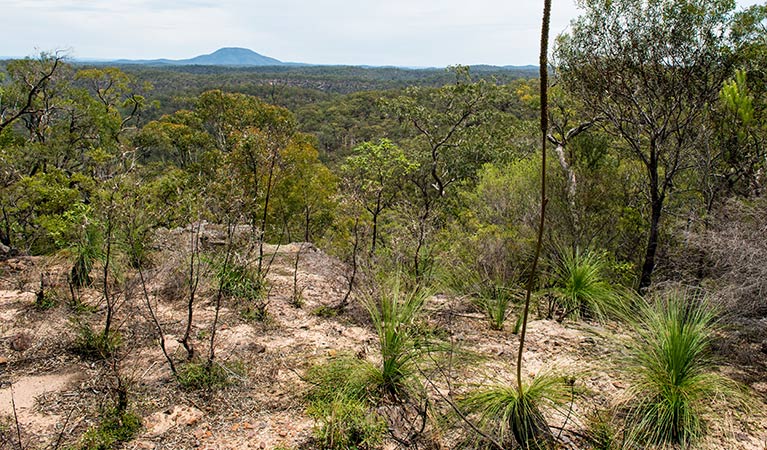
(581, 287)
(359, 394)
(674, 384)
(516, 408)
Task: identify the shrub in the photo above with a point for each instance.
(347, 423)
(496, 306)
(513, 415)
(671, 364)
(393, 312)
(343, 398)
(580, 287)
(238, 281)
(115, 427)
(95, 345)
(601, 432)
(209, 375)
(86, 251)
(46, 300)
(490, 297)
(346, 390)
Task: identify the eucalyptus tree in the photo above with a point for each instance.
(450, 129)
(375, 175)
(650, 69)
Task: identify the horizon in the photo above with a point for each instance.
(169, 62)
(398, 33)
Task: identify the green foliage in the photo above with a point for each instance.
(209, 375)
(601, 432)
(492, 299)
(343, 397)
(581, 287)
(114, 428)
(86, 251)
(491, 234)
(503, 411)
(346, 423)
(496, 307)
(93, 344)
(242, 283)
(737, 99)
(346, 390)
(46, 300)
(325, 311)
(672, 368)
(239, 281)
(394, 311)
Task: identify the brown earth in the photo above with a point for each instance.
(57, 394)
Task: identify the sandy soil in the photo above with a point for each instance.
(58, 393)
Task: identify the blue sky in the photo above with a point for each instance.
(375, 32)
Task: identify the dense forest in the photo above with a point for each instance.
(181, 219)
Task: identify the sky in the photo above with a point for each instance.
(413, 33)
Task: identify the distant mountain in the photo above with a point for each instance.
(228, 56)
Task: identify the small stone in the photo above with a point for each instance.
(256, 348)
(21, 342)
(3, 360)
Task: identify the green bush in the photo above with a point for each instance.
(672, 369)
(496, 307)
(93, 344)
(46, 300)
(114, 428)
(239, 282)
(204, 375)
(342, 399)
(346, 390)
(581, 288)
(503, 411)
(347, 423)
(394, 311)
(601, 432)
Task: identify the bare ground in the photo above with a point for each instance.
(58, 394)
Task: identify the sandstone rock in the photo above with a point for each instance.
(160, 422)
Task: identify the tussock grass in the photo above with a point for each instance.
(674, 385)
(580, 287)
(512, 415)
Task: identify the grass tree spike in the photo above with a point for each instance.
(544, 76)
(526, 422)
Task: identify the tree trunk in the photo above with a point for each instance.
(656, 205)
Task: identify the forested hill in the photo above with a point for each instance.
(227, 56)
(332, 79)
(294, 86)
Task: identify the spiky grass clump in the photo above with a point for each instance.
(86, 251)
(210, 375)
(503, 411)
(672, 364)
(347, 390)
(115, 427)
(580, 286)
(491, 298)
(342, 398)
(496, 306)
(394, 312)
